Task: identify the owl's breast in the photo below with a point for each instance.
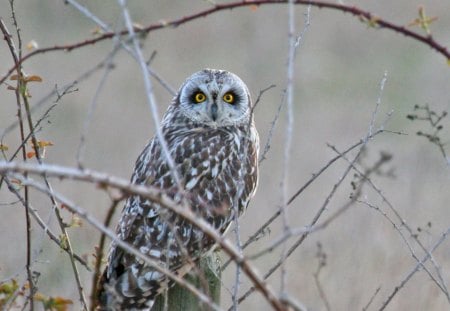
(217, 171)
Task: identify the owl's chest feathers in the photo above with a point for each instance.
(213, 165)
(217, 168)
(206, 157)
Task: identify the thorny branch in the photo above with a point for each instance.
(366, 16)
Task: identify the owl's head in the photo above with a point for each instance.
(215, 98)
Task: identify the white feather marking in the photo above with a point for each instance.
(125, 287)
(152, 275)
(209, 195)
(134, 269)
(155, 253)
(172, 254)
(215, 171)
(237, 141)
(152, 213)
(192, 183)
(144, 249)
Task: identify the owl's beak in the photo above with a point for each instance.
(214, 111)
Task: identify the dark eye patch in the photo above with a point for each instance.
(236, 96)
(193, 94)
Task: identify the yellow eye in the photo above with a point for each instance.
(199, 97)
(228, 98)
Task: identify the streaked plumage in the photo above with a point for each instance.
(212, 139)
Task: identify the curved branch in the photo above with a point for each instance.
(374, 21)
(105, 180)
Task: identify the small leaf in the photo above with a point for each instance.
(9, 288)
(31, 154)
(40, 297)
(53, 303)
(63, 242)
(16, 181)
(44, 143)
(33, 78)
(76, 222)
(60, 303)
(423, 21)
(3, 147)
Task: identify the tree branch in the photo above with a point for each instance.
(373, 20)
(105, 180)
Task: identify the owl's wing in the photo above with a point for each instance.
(210, 164)
(145, 172)
(129, 229)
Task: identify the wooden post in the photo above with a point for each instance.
(180, 299)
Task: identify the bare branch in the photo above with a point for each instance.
(149, 91)
(363, 15)
(415, 269)
(151, 193)
(371, 299)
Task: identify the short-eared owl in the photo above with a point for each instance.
(213, 142)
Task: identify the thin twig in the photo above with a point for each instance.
(322, 258)
(99, 254)
(272, 128)
(22, 90)
(66, 89)
(366, 179)
(405, 240)
(90, 114)
(44, 226)
(264, 227)
(288, 140)
(20, 83)
(371, 299)
(306, 234)
(26, 139)
(33, 212)
(104, 26)
(419, 265)
(151, 101)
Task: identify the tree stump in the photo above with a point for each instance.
(181, 299)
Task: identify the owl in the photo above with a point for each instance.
(213, 143)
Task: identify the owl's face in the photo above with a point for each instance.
(215, 98)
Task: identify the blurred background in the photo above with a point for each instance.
(338, 69)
